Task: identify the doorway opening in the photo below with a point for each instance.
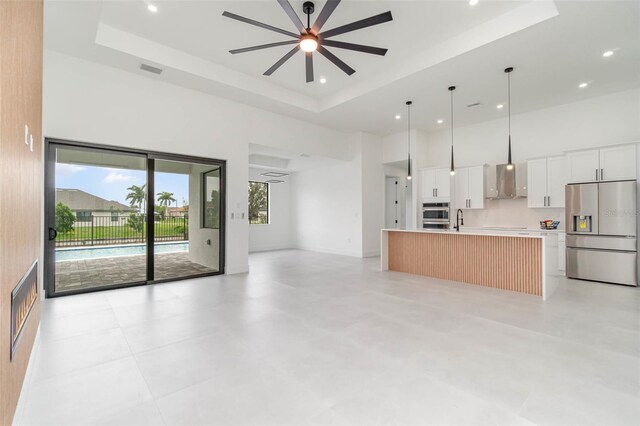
(116, 218)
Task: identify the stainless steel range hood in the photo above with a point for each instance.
(503, 183)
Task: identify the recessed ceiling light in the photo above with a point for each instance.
(323, 80)
(152, 8)
(473, 2)
(608, 53)
(398, 117)
(440, 121)
(499, 106)
(583, 85)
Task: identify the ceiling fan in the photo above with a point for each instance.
(310, 38)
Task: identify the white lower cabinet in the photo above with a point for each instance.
(468, 188)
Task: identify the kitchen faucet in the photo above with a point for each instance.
(459, 220)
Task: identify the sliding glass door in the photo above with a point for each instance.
(118, 218)
(187, 219)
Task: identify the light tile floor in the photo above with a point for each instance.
(309, 338)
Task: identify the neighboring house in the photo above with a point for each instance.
(87, 206)
(177, 211)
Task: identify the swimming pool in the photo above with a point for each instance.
(115, 251)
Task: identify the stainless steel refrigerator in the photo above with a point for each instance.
(601, 232)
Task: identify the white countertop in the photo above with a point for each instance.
(520, 233)
(514, 228)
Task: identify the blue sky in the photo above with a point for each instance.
(112, 184)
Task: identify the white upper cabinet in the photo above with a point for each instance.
(583, 166)
(443, 183)
(428, 183)
(546, 180)
(618, 163)
(436, 185)
(537, 183)
(605, 164)
(556, 181)
(469, 187)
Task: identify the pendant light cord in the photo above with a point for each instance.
(451, 119)
(509, 99)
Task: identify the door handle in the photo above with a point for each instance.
(596, 174)
(52, 234)
(436, 192)
(548, 200)
(601, 174)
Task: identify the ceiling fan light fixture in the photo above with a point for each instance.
(308, 43)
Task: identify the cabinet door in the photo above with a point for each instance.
(556, 181)
(583, 166)
(443, 184)
(537, 183)
(428, 184)
(476, 187)
(461, 188)
(618, 163)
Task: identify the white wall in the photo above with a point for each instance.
(88, 102)
(277, 234)
(606, 120)
(326, 207)
(373, 193)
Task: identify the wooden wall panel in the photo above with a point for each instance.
(509, 263)
(21, 185)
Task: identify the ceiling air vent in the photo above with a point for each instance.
(475, 104)
(146, 67)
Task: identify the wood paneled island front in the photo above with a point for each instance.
(508, 262)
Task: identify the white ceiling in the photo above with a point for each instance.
(432, 44)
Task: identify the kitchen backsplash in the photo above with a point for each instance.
(510, 213)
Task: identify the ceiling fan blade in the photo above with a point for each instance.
(259, 24)
(337, 62)
(293, 16)
(309, 65)
(282, 60)
(263, 46)
(325, 13)
(357, 47)
(364, 23)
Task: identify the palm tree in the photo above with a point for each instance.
(137, 196)
(166, 198)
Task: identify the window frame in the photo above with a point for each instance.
(203, 212)
(268, 222)
(84, 216)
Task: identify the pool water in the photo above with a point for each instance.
(115, 251)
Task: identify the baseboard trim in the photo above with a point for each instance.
(236, 269)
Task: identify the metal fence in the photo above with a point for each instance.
(123, 229)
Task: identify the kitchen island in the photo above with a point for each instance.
(508, 261)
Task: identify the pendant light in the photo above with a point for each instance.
(409, 139)
(508, 71)
(453, 168)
